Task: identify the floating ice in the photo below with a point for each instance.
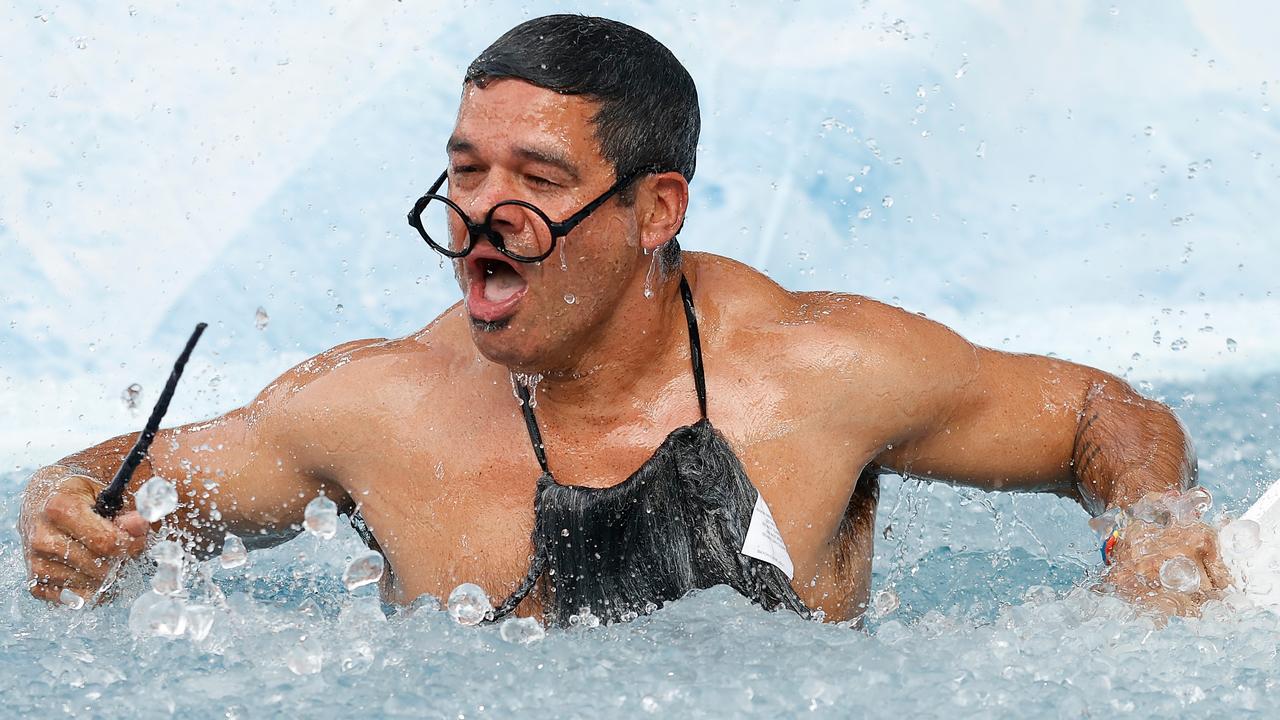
(131, 395)
(321, 518)
(156, 498)
(168, 578)
(1240, 537)
(199, 619)
(70, 599)
(1180, 574)
(886, 602)
(260, 319)
(469, 605)
(306, 657)
(153, 614)
(234, 553)
(363, 569)
(522, 631)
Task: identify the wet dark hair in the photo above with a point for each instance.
(648, 117)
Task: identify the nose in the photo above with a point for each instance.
(507, 220)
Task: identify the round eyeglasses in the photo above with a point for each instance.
(433, 215)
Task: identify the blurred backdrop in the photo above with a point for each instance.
(1093, 180)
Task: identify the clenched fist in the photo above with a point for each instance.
(67, 545)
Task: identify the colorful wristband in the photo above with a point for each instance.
(1109, 545)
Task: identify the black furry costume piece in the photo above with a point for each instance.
(677, 524)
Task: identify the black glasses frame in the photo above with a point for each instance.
(477, 230)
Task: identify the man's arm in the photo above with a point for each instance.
(1003, 421)
(1000, 421)
(245, 472)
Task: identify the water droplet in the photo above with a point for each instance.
(363, 569)
(70, 599)
(1178, 344)
(1155, 338)
(132, 11)
(469, 605)
(234, 553)
(81, 43)
(1231, 345)
(981, 151)
(887, 201)
(131, 395)
(962, 70)
(570, 299)
(1114, 10)
(260, 319)
(648, 277)
(864, 213)
(339, 309)
(1180, 574)
(564, 532)
(1148, 131)
(522, 631)
(156, 498)
(321, 517)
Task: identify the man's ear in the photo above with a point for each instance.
(663, 200)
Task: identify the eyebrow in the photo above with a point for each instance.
(546, 156)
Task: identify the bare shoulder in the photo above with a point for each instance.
(360, 376)
(832, 351)
(819, 327)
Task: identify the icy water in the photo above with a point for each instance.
(1096, 180)
(995, 617)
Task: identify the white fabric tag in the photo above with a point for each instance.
(764, 542)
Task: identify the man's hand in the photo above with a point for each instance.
(1164, 535)
(67, 545)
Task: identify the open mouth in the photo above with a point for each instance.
(496, 286)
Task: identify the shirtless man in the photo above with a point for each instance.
(813, 392)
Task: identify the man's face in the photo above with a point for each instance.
(515, 141)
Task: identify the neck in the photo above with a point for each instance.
(623, 356)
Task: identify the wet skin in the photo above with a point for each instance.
(424, 433)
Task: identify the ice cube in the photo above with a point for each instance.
(234, 553)
(199, 619)
(305, 658)
(469, 605)
(321, 518)
(153, 614)
(886, 602)
(1240, 538)
(167, 552)
(1180, 574)
(168, 579)
(156, 498)
(363, 569)
(522, 631)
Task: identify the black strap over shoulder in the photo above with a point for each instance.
(531, 422)
(695, 346)
(695, 358)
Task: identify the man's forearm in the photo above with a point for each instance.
(1127, 446)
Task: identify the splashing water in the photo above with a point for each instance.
(156, 498)
(131, 396)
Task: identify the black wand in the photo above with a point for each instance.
(111, 499)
